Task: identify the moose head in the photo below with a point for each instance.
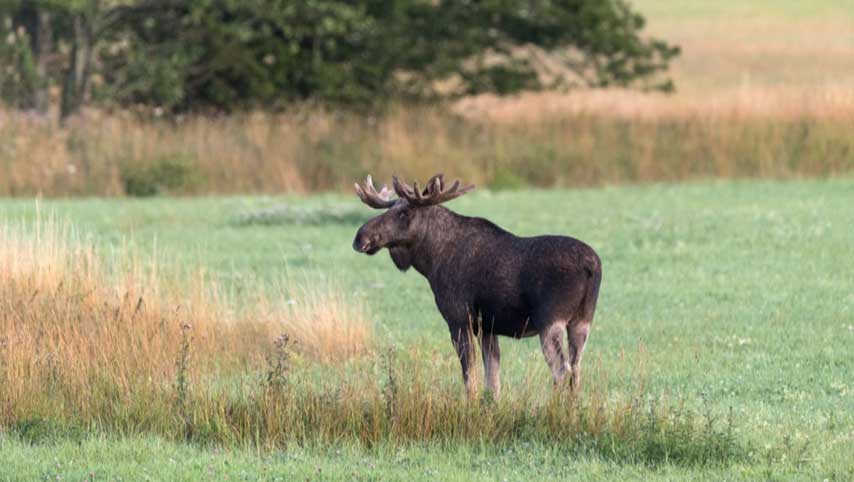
(408, 218)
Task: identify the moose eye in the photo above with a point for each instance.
(403, 215)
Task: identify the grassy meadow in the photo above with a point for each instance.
(721, 348)
(158, 322)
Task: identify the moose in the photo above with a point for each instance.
(486, 281)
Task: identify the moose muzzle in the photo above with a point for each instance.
(364, 244)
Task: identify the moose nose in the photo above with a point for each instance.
(361, 243)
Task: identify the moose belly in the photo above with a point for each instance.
(507, 321)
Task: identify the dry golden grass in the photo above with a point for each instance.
(325, 326)
(75, 336)
(544, 139)
(827, 103)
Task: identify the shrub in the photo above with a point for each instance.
(162, 175)
(505, 179)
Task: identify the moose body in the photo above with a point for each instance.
(486, 281)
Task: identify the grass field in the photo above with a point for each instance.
(141, 342)
(756, 44)
(723, 296)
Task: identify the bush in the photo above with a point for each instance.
(143, 179)
(39, 430)
(506, 179)
(20, 81)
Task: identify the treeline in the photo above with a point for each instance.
(225, 55)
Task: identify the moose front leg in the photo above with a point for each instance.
(461, 336)
(491, 359)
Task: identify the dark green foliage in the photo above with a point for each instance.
(19, 79)
(506, 179)
(237, 53)
(171, 173)
(230, 54)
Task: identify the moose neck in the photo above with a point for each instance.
(437, 240)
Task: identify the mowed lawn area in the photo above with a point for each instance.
(734, 298)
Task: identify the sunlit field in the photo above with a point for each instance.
(179, 298)
(801, 46)
(720, 347)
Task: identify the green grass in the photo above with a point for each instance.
(730, 295)
(153, 459)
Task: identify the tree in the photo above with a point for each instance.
(88, 24)
(233, 54)
(228, 54)
(28, 44)
(26, 38)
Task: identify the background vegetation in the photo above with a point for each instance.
(775, 103)
(225, 54)
(538, 141)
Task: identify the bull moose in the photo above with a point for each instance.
(513, 286)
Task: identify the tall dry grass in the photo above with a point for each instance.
(81, 341)
(542, 139)
(85, 348)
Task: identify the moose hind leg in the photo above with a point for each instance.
(551, 338)
(577, 337)
(491, 360)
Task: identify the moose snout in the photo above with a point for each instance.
(364, 244)
(360, 244)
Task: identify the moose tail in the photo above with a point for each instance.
(593, 267)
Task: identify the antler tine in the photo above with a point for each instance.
(454, 187)
(371, 197)
(434, 192)
(435, 184)
(360, 192)
(400, 188)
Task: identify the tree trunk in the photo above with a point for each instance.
(37, 22)
(42, 45)
(79, 66)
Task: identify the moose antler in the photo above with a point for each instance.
(433, 194)
(374, 199)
